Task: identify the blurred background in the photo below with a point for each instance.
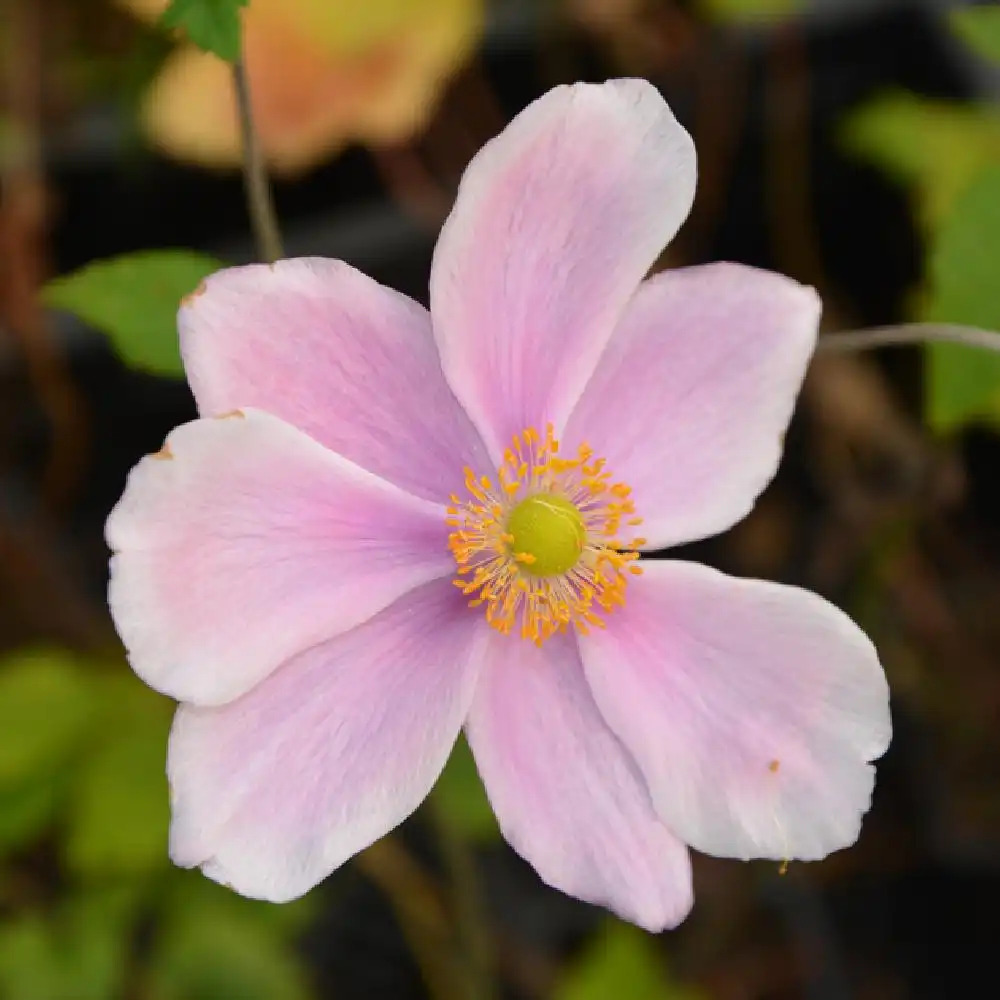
(853, 144)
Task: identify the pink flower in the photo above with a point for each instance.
(285, 567)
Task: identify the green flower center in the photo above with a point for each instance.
(548, 534)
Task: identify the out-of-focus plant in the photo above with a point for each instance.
(83, 830)
(948, 154)
(934, 147)
(462, 800)
(963, 384)
(979, 27)
(323, 75)
(749, 11)
(133, 299)
(603, 15)
(621, 961)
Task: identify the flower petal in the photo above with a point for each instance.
(348, 361)
(752, 709)
(274, 791)
(690, 401)
(556, 222)
(568, 797)
(244, 542)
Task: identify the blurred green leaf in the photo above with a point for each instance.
(936, 147)
(979, 28)
(750, 10)
(210, 949)
(621, 961)
(187, 891)
(79, 951)
(964, 383)
(213, 25)
(461, 798)
(46, 705)
(29, 968)
(25, 811)
(119, 810)
(134, 299)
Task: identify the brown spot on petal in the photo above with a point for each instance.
(189, 298)
(232, 414)
(773, 766)
(163, 454)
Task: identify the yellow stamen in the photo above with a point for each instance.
(541, 548)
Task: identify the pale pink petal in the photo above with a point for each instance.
(690, 401)
(568, 797)
(348, 361)
(752, 708)
(274, 791)
(244, 542)
(556, 222)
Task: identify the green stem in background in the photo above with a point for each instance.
(260, 199)
(420, 913)
(908, 334)
(470, 921)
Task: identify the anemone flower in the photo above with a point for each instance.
(390, 523)
(322, 75)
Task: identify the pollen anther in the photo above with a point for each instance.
(540, 545)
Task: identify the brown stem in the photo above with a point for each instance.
(260, 198)
(787, 163)
(420, 912)
(473, 933)
(23, 263)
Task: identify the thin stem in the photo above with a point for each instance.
(473, 934)
(260, 199)
(420, 913)
(24, 263)
(907, 334)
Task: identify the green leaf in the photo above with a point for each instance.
(964, 383)
(750, 10)
(213, 25)
(25, 811)
(935, 147)
(461, 798)
(209, 949)
(979, 28)
(46, 703)
(78, 951)
(119, 808)
(134, 299)
(621, 961)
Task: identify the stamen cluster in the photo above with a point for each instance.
(499, 571)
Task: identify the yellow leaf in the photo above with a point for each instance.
(321, 75)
